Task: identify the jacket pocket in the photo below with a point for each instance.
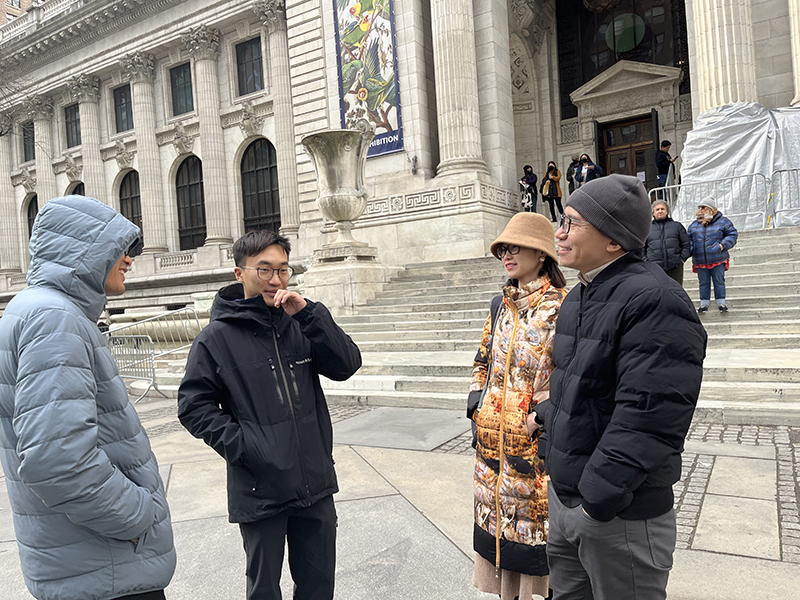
(272, 460)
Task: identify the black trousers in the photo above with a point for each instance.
(157, 595)
(311, 535)
(557, 201)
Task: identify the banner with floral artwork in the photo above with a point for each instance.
(367, 61)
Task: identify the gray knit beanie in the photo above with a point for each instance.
(617, 206)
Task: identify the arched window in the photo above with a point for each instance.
(33, 210)
(262, 207)
(130, 204)
(78, 189)
(191, 204)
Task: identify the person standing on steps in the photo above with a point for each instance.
(527, 185)
(668, 244)
(551, 190)
(712, 235)
(588, 171)
(511, 374)
(252, 392)
(628, 355)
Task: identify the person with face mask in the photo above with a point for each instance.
(712, 235)
(588, 171)
(527, 185)
(551, 190)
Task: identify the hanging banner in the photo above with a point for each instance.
(367, 61)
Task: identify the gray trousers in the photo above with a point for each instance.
(614, 560)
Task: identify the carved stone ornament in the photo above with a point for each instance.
(530, 20)
(139, 67)
(85, 88)
(272, 13)
(182, 142)
(72, 169)
(202, 42)
(28, 181)
(251, 124)
(39, 108)
(123, 156)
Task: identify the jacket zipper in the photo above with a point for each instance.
(511, 345)
(557, 407)
(277, 383)
(291, 410)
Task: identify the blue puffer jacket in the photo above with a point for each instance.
(81, 476)
(706, 240)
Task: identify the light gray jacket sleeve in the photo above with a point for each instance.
(55, 421)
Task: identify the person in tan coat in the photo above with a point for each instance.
(551, 190)
(511, 375)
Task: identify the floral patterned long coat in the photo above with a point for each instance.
(519, 370)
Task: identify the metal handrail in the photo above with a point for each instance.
(171, 331)
(135, 358)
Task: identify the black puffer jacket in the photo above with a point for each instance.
(628, 356)
(668, 244)
(252, 392)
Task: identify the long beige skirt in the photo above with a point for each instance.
(507, 584)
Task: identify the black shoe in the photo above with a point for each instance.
(703, 309)
(723, 308)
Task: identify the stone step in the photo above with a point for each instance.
(390, 318)
(410, 383)
(754, 341)
(461, 345)
(437, 334)
(467, 324)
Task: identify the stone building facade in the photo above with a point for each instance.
(187, 115)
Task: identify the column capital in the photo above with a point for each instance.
(202, 42)
(139, 67)
(39, 107)
(272, 13)
(85, 88)
(6, 123)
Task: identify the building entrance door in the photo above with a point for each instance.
(627, 148)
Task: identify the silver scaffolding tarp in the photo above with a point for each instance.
(737, 140)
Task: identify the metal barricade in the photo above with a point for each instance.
(135, 358)
(784, 197)
(743, 199)
(170, 332)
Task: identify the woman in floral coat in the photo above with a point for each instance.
(512, 373)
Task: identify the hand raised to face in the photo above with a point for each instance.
(291, 302)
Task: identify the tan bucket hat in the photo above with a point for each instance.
(529, 230)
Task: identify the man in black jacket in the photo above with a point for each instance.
(667, 244)
(664, 162)
(252, 392)
(628, 355)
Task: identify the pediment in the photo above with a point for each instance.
(625, 77)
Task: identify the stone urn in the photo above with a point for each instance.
(339, 157)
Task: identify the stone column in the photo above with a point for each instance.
(794, 22)
(140, 69)
(273, 15)
(40, 110)
(86, 90)
(724, 52)
(9, 246)
(456, 76)
(203, 45)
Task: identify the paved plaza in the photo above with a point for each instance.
(405, 510)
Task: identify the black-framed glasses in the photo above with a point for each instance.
(501, 250)
(266, 273)
(135, 249)
(566, 223)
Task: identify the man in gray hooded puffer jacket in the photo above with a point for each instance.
(90, 511)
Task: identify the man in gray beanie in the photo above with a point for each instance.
(628, 355)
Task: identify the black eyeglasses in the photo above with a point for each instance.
(135, 248)
(501, 250)
(267, 273)
(566, 223)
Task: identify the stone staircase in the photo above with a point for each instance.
(418, 337)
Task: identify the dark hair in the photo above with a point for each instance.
(527, 168)
(254, 243)
(553, 271)
(587, 157)
(552, 163)
(666, 143)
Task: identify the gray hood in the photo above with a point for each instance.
(74, 244)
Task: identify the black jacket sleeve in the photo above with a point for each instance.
(685, 242)
(335, 355)
(200, 400)
(659, 369)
